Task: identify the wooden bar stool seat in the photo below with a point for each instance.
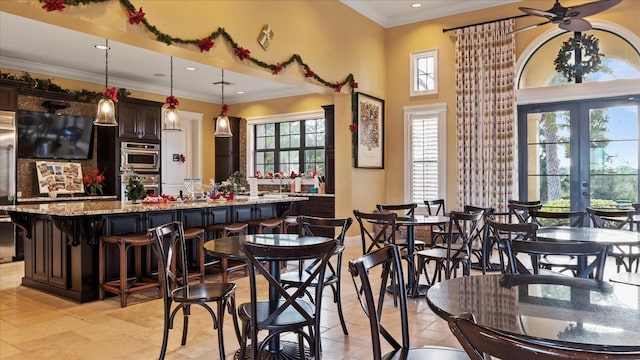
(225, 230)
(290, 222)
(126, 285)
(260, 225)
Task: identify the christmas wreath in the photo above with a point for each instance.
(591, 57)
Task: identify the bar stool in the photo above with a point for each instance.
(290, 222)
(196, 234)
(259, 226)
(225, 230)
(126, 285)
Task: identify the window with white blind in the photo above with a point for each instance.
(425, 144)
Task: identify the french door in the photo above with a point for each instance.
(580, 153)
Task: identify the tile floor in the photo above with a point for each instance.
(34, 325)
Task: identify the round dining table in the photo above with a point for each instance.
(411, 222)
(564, 310)
(623, 240)
(229, 247)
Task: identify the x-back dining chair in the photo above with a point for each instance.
(169, 238)
(437, 207)
(310, 226)
(559, 263)
(402, 210)
(382, 319)
(625, 255)
(481, 342)
(291, 312)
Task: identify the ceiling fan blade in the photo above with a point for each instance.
(529, 27)
(591, 8)
(575, 24)
(536, 12)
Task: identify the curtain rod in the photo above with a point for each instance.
(485, 22)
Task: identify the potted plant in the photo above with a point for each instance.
(135, 190)
(93, 182)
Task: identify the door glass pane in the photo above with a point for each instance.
(549, 158)
(613, 156)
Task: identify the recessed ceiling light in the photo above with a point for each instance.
(102, 47)
(191, 68)
(416, 5)
(240, 92)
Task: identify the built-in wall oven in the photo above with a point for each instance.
(141, 157)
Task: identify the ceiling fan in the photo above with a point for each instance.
(569, 18)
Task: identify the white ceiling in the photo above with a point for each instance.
(35, 47)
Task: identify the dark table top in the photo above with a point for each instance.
(609, 236)
(229, 247)
(564, 309)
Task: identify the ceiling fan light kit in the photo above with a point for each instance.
(569, 18)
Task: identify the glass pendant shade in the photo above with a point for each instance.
(222, 127)
(106, 115)
(171, 119)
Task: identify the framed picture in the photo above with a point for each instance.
(369, 152)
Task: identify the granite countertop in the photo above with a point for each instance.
(79, 208)
(59, 198)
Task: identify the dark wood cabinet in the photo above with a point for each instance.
(139, 120)
(8, 96)
(330, 150)
(228, 151)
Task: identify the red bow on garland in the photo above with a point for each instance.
(135, 17)
(353, 128)
(112, 93)
(172, 101)
(205, 44)
(242, 53)
(53, 5)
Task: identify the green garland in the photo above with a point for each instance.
(137, 17)
(591, 57)
(26, 81)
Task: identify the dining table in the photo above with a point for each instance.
(548, 309)
(623, 240)
(229, 247)
(411, 222)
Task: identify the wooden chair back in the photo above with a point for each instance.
(559, 218)
(376, 229)
(481, 342)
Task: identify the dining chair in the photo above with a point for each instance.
(169, 238)
(310, 226)
(522, 211)
(437, 207)
(292, 312)
(559, 218)
(481, 244)
(383, 319)
(449, 258)
(503, 232)
(402, 210)
(376, 229)
(594, 266)
(625, 255)
(481, 342)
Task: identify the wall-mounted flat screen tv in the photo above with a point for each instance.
(50, 136)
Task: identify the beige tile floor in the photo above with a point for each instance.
(34, 325)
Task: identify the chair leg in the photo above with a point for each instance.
(338, 301)
(186, 312)
(123, 274)
(221, 305)
(231, 306)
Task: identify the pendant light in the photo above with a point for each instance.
(171, 119)
(106, 115)
(222, 123)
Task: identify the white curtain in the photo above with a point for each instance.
(485, 111)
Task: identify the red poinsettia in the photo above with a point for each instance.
(224, 110)
(172, 101)
(182, 158)
(242, 53)
(309, 73)
(353, 127)
(136, 17)
(205, 44)
(112, 93)
(338, 88)
(93, 182)
(53, 5)
(353, 84)
(278, 69)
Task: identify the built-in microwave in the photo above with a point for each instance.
(141, 157)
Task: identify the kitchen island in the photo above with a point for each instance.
(61, 238)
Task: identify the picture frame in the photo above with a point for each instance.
(369, 134)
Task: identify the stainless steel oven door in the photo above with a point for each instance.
(140, 157)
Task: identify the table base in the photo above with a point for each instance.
(289, 350)
(411, 293)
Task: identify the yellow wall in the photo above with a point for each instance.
(402, 40)
(334, 41)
